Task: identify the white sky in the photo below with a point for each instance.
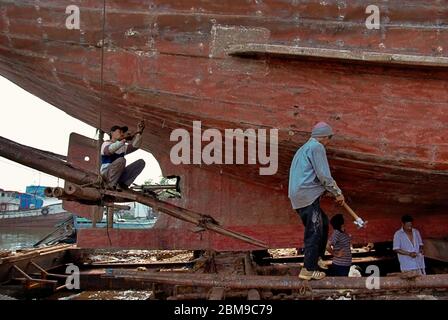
(28, 120)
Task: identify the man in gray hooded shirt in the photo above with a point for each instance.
(309, 178)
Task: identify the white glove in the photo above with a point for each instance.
(115, 146)
(359, 223)
(137, 141)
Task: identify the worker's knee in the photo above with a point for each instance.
(120, 162)
(140, 163)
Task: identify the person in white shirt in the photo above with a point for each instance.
(408, 245)
(113, 163)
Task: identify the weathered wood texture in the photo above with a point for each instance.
(166, 62)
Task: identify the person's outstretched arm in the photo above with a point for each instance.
(322, 169)
(135, 144)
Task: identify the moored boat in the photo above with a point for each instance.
(48, 216)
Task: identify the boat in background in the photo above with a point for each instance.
(141, 223)
(30, 209)
(45, 217)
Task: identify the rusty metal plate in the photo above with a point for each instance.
(83, 154)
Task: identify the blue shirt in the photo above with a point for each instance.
(402, 241)
(309, 175)
(106, 160)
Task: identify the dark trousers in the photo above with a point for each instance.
(118, 172)
(316, 233)
(339, 271)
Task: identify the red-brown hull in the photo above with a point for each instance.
(165, 62)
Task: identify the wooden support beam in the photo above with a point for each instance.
(257, 49)
(110, 218)
(436, 249)
(36, 282)
(23, 273)
(154, 187)
(78, 192)
(253, 294)
(240, 295)
(43, 272)
(117, 207)
(217, 293)
(35, 253)
(30, 282)
(38, 160)
(278, 282)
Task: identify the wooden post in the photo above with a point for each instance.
(110, 218)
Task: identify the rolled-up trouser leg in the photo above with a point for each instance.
(312, 219)
(114, 171)
(131, 172)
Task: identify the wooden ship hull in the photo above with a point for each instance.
(254, 65)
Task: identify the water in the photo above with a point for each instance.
(14, 239)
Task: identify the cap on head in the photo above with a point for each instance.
(124, 129)
(321, 129)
